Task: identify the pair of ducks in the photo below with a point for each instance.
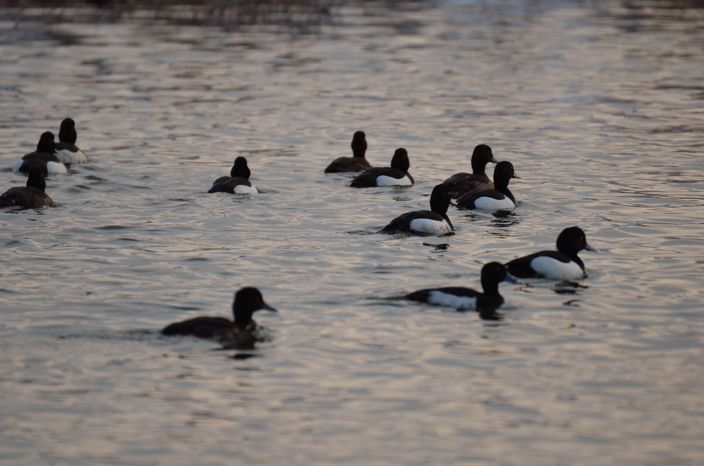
(54, 156)
(563, 264)
(472, 191)
(395, 175)
(49, 158)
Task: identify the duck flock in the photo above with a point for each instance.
(469, 191)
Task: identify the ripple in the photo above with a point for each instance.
(606, 137)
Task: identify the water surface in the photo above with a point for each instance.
(597, 104)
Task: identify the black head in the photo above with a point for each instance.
(240, 168)
(439, 199)
(572, 240)
(481, 155)
(46, 143)
(67, 131)
(503, 174)
(37, 178)
(493, 273)
(359, 144)
(400, 160)
(248, 300)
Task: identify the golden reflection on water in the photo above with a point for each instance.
(598, 107)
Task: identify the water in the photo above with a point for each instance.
(597, 104)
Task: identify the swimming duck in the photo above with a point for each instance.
(457, 297)
(395, 175)
(563, 264)
(66, 149)
(500, 198)
(43, 157)
(462, 183)
(425, 222)
(247, 301)
(357, 162)
(31, 196)
(238, 181)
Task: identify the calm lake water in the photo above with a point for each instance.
(598, 104)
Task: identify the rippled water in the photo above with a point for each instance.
(597, 104)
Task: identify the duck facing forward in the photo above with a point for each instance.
(500, 198)
(247, 301)
(425, 222)
(357, 162)
(31, 196)
(395, 175)
(42, 157)
(563, 264)
(238, 181)
(66, 150)
(462, 183)
(458, 297)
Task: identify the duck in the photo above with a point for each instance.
(238, 181)
(31, 196)
(357, 162)
(499, 198)
(66, 149)
(462, 298)
(425, 222)
(240, 331)
(462, 183)
(563, 264)
(44, 156)
(395, 175)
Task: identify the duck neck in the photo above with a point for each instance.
(490, 287)
(240, 172)
(447, 219)
(478, 167)
(36, 182)
(506, 192)
(577, 259)
(243, 319)
(501, 185)
(68, 135)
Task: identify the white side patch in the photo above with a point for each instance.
(55, 167)
(16, 166)
(439, 298)
(243, 189)
(553, 268)
(66, 156)
(430, 226)
(384, 180)
(488, 203)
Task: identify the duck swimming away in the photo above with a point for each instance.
(395, 175)
(66, 150)
(238, 181)
(31, 196)
(425, 222)
(43, 157)
(463, 183)
(357, 162)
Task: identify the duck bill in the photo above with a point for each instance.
(516, 177)
(591, 248)
(269, 308)
(510, 279)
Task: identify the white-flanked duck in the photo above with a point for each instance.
(395, 175)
